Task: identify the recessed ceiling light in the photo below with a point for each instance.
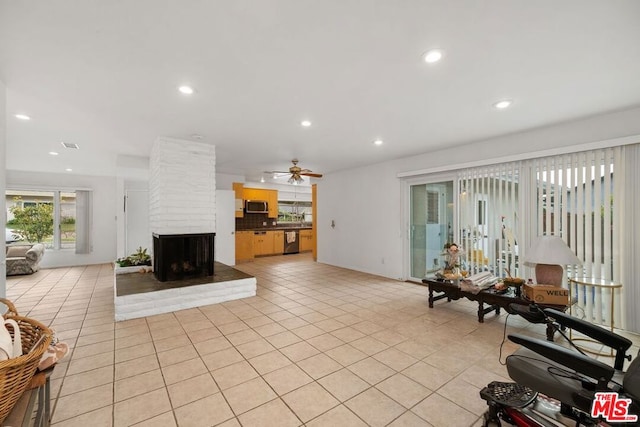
(22, 117)
(53, 153)
(501, 105)
(432, 56)
(378, 142)
(305, 123)
(69, 170)
(262, 179)
(186, 90)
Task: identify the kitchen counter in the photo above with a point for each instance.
(277, 228)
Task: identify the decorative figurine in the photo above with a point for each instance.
(452, 262)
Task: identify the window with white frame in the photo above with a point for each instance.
(60, 219)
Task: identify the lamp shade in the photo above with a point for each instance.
(550, 250)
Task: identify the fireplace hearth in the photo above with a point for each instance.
(183, 256)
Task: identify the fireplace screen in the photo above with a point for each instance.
(182, 256)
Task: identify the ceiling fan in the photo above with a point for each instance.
(296, 173)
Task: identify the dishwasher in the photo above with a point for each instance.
(291, 242)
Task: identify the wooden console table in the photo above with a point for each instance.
(493, 299)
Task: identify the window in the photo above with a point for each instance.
(47, 216)
(67, 220)
(572, 196)
(433, 207)
(589, 198)
(576, 199)
(298, 211)
(482, 212)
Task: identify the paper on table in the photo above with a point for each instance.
(482, 280)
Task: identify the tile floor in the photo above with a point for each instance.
(317, 346)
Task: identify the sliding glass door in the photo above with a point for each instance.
(431, 225)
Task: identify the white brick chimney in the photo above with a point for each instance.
(182, 184)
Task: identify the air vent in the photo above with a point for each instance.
(70, 145)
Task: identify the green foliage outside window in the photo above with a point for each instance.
(34, 221)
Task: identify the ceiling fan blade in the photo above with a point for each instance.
(314, 175)
(275, 172)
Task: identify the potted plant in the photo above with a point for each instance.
(140, 258)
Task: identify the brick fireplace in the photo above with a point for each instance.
(182, 211)
(183, 256)
(182, 208)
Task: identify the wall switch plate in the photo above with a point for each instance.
(273, 223)
(264, 223)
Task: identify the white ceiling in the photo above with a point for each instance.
(103, 74)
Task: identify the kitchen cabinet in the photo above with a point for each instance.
(273, 203)
(238, 188)
(269, 196)
(306, 240)
(253, 194)
(250, 244)
(244, 245)
(263, 242)
(278, 242)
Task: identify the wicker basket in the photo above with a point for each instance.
(11, 309)
(16, 373)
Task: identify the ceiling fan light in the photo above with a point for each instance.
(295, 180)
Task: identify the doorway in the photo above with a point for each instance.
(137, 232)
(431, 226)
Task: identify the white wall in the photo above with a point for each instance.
(225, 181)
(366, 202)
(182, 184)
(104, 214)
(3, 181)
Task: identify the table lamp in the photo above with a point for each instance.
(550, 254)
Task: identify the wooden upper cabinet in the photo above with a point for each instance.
(269, 196)
(273, 203)
(254, 194)
(238, 188)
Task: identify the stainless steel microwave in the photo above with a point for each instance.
(256, 206)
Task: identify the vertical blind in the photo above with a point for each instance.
(576, 201)
(574, 196)
(489, 218)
